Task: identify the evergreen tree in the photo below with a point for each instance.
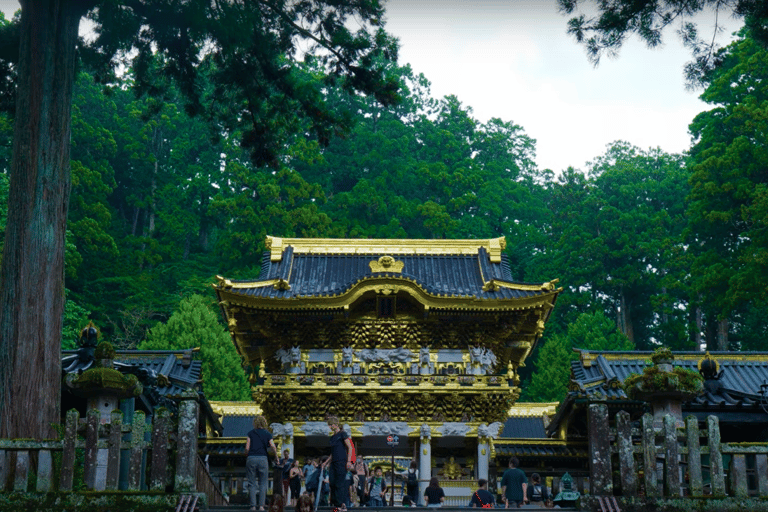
(194, 325)
(590, 331)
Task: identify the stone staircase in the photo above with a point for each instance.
(233, 508)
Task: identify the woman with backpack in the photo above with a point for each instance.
(412, 482)
(537, 493)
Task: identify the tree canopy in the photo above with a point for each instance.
(605, 32)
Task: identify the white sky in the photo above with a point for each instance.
(512, 59)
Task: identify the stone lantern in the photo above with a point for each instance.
(664, 387)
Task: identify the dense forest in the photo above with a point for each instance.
(651, 248)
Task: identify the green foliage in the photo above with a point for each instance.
(75, 318)
(605, 32)
(615, 242)
(596, 332)
(728, 204)
(193, 325)
(590, 331)
(549, 383)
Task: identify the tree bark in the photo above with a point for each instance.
(32, 275)
(722, 334)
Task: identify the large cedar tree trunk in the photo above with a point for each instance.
(32, 275)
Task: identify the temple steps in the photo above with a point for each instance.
(233, 508)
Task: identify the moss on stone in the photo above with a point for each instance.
(114, 501)
(105, 350)
(108, 378)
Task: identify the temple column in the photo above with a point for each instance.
(288, 440)
(425, 461)
(483, 457)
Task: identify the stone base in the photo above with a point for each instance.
(89, 501)
(635, 504)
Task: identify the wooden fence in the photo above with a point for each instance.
(167, 461)
(683, 461)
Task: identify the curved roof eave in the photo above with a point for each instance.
(388, 285)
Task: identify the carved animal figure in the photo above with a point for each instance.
(346, 355)
(424, 356)
(488, 359)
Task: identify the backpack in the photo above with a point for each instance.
(412, 480)
(353, 455)
(536, 495)
(483, 505)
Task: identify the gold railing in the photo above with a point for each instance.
(383, 380)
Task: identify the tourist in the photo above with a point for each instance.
(514, 485)
(433, 494)
(377, 488)
(361, 472)
(537, 493)
(312, 479)
(412, 481)
(294, 481)
(339, 463)
(277, 503)
(285, 463)
(482, 498)
(257, 446)
(305, 503)
(325, 487)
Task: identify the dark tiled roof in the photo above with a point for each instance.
(182, 371)
(542, 449)
(742, 375)
(524, 428)
(333, 274)
(237, 426)
(221, 447)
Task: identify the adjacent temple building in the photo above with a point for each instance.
(419, 339)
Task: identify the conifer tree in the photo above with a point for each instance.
(193, 325)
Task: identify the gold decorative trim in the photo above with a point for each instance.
(235, 408)
(495, 284)
(276, 245)
(396, 284)
(386, 264)
(721, 357)
(533, 410)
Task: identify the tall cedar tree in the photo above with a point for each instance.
(252, 43)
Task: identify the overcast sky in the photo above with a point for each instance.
(512, 59)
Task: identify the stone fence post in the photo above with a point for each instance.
(601, 478)
(186, 444)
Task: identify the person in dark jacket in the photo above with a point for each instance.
(482, 498)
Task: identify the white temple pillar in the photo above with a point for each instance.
(425, 461)
(288, 440)
(483, 457)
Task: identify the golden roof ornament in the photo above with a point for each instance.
(386, 264)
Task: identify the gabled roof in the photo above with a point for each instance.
(472, 270)
(599, 377)
(180, 369)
